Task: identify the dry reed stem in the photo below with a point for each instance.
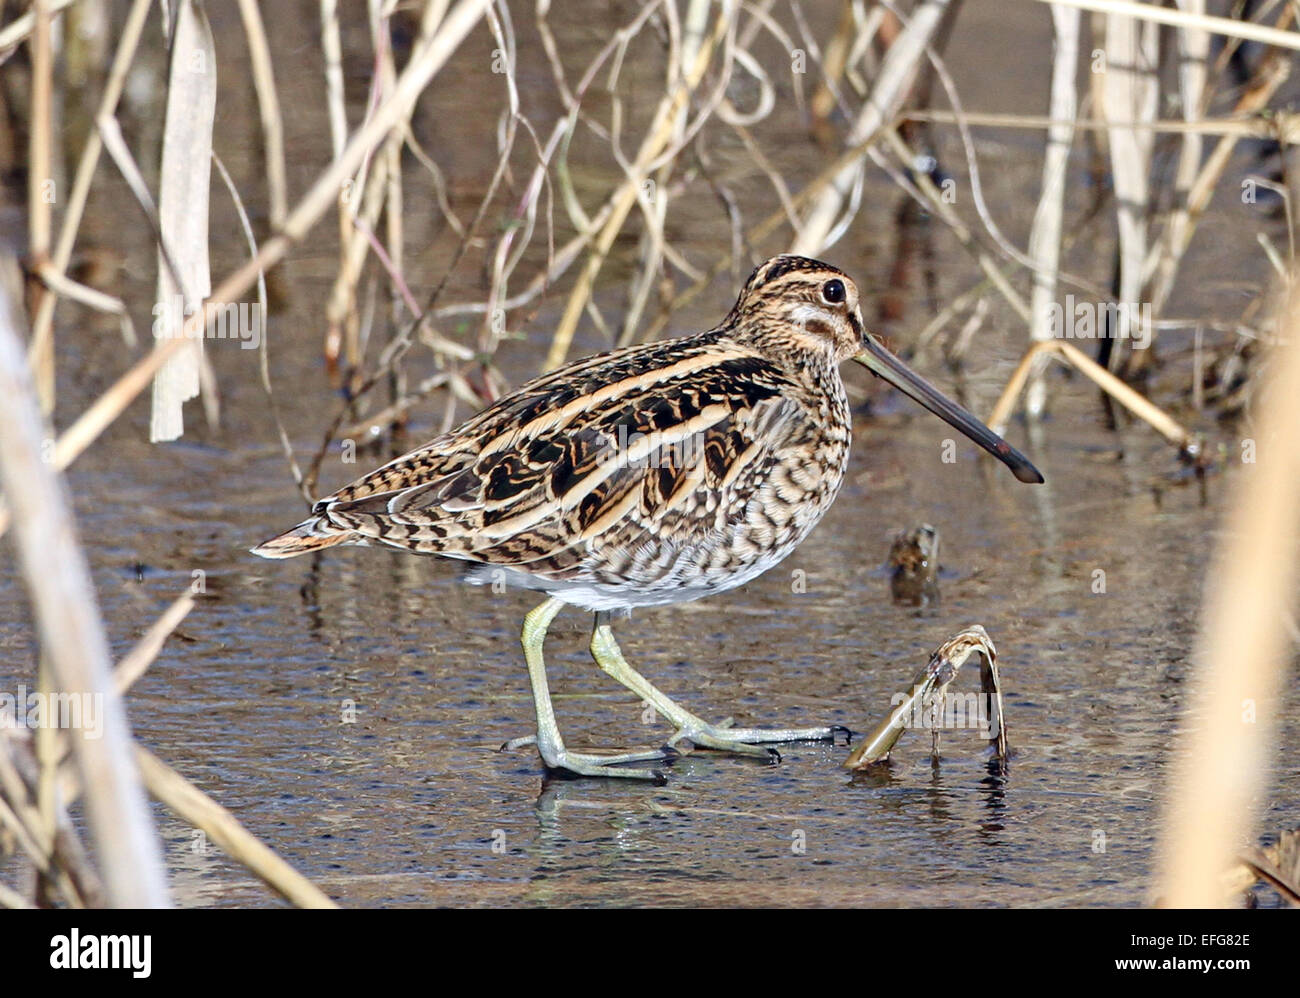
(25, 822)
(899, 69)
(656, 139)
(418, 72)
(188, 801)
(20, 28)
(923, 181)
(1130, 92)
(1277, 865)
(423, 65)
(834, 62)
(923, 188)
(761, 230)
(76, 203)
(1132, 400)
(396, 348)
(200, 810)
(558, 260)
(1045, 233)
(1227, 26)
(268, 105)
(111, 134)
(1280, 125)
(974, 296)
(263, 348)
(652, 246)
(1243, 652)
(72, 636)
(183, 207)
(40, 182)
(62, 286)
(332, 49)
(354, 241)
(1272, 73)
(341, 317)
(47, 739)
(372, 425)
(1193, 51)
(136, 662)
(369, 189)
(437, 180)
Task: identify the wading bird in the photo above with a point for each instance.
(654, 474)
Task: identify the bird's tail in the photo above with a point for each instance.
(310, 535)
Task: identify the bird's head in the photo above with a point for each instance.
(803, 310)
(802, 307)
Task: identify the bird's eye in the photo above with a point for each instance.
(833, 292)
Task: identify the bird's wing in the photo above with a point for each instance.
(687, 501)
(563, 460)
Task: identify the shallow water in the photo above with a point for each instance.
(412, 804)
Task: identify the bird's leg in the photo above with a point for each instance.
(743, 741)
(549, 743)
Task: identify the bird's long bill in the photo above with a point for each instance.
(884, 364)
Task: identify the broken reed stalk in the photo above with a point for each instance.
(71, 633)
(1244, 649)
(925, 699)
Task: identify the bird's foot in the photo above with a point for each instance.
(725, 737)
(558, 759)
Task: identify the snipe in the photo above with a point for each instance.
(654, 474)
